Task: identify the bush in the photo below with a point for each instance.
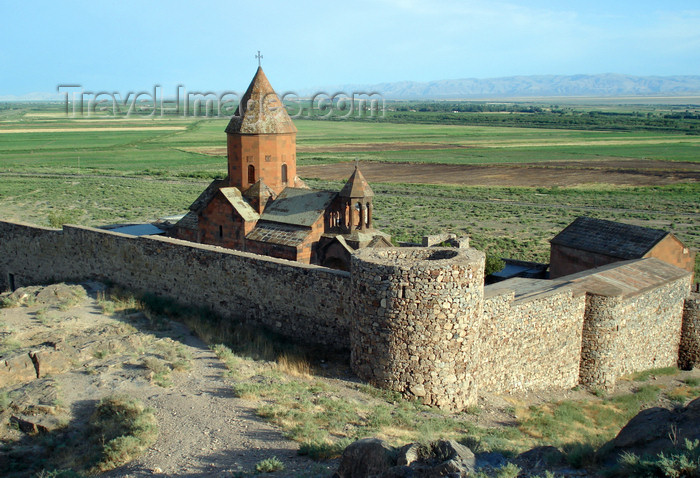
(493, 264)
(269, 465)
(681, 462)
(323, 450)
(125, 427)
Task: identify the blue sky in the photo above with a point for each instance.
(132, 45)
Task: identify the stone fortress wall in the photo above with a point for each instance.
(416, 320)
(690, 337)
(304, 302)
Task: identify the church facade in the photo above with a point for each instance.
(263, 207)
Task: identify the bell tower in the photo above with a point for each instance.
(261, 140)
(356, 203)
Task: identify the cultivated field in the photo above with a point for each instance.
(510, 188)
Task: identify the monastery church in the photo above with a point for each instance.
(264, 208)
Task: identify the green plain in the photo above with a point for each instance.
(111, 176)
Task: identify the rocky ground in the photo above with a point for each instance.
(84, 355)
(61, 351)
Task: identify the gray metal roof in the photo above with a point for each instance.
(614, 239)
(300, 207)
(139, 230)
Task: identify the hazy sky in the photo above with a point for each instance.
(127, 45)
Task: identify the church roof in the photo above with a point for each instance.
(614, 239)
(259, 190)
(275, 233)
(357, 186)
(260, 110)
(189, 221)
(233, 196)
(206, 196)
(300, 207)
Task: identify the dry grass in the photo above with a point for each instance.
(293, 365)
(125, 427)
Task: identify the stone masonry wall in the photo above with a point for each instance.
(598, 341)
(416, 322)
(305, 302)
(622, 335)
(531, 344)
(415, 319)
(689, 354)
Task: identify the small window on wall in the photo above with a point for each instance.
(251, 174)
(221, 232)
(284, 173)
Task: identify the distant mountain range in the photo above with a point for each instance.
(534, 86)
(604, 85)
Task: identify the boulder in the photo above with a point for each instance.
(655, 430)
(50, 360)
(16, 369)
(374, 458)
(539, 457)
(369, 457)
(32, 424)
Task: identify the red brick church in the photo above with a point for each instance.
(263, 207)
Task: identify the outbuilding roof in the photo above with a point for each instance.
(613, 239)
(260, 110)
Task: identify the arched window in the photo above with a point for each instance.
(284, 173)
(251, 174)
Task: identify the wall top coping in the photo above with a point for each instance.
(525, 289)
(194, 247)
(629, 278)
(25, 224)
(620, 279)
(420, 258)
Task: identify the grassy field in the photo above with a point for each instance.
(102, 170)
(78, 175)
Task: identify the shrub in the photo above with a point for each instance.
(683, 461)
(125, 427)
(323, 450)
(269, 465)
(493, 264)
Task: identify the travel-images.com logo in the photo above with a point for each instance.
(81, 103)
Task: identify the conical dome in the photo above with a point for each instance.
(357, 186)
(260, 110)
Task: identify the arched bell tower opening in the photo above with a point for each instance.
(251, 174)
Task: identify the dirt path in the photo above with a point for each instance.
(205, 429)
